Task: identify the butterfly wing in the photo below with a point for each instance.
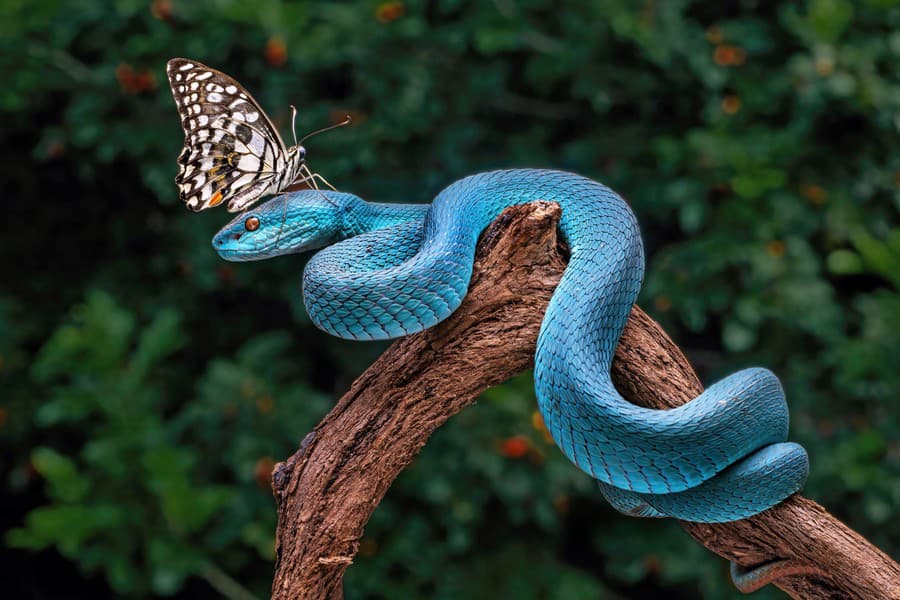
(232, 151)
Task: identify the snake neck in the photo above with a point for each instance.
(362, 217)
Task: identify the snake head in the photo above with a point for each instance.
(286, 224)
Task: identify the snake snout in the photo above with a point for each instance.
(221, 239)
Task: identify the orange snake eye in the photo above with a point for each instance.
(251, 224)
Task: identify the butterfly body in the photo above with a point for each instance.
(232, 151)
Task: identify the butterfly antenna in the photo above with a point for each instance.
(347, 120)
(294, 122)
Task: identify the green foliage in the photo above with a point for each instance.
(149, 387)
(148, 467)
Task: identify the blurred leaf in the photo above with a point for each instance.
(95, 340)
(162, 337)
(63, 480)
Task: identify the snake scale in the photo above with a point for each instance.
(390, 270)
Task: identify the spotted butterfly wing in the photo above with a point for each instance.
(232, 151)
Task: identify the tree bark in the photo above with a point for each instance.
(328, 489)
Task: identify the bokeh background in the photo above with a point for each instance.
(148, 387)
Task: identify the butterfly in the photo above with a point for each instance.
(232, 151)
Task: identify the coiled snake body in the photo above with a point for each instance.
(390, 270)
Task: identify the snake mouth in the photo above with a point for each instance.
(237, 246)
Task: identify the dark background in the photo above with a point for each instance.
(148, 386)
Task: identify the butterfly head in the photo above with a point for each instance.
(297, 154)
(289, 223)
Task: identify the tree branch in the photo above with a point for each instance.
(328, 489)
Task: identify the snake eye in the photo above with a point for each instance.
(251, 224)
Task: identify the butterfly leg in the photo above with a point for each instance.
(323, 180)
(310, 178)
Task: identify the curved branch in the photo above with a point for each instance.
(328, 489)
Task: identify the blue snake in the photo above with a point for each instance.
(390, 270)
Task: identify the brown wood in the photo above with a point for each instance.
(328, 489)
